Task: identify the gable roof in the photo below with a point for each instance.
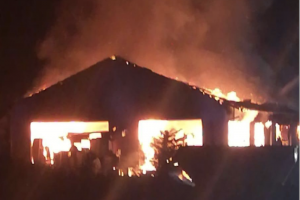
(117, 89)
(120, 86)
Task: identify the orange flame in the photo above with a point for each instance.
(278, 131)
(239, 128)
(93, 136)
(150, 129)
(259, 135)
(268, 124)
(231, 96)
(54, 135)
(238, 133)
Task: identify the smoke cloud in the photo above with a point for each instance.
(205, 43)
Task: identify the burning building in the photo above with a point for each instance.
(267, 124)
(116, 106)
(114, 99)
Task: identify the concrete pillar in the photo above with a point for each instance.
(252, 134)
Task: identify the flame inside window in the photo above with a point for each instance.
(278, 131)
(238, 133)
(54, 135)
(259, 134)
(150, 129)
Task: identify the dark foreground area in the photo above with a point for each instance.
(267, 173)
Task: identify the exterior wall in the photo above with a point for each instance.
(20, 134)
(214, 133)
(215, 128)
(214, 118)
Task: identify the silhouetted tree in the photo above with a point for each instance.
(165, 147)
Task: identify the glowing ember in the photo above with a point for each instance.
(185, 175)
(54, 135)
(182, 176)
(150, 129)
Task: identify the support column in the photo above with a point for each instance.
(273, 134)
(132, 145)
(267, 136)
(225, 133)
(252, 132)
(207, 133)
(293, 140)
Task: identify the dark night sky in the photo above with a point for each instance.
(25, 23)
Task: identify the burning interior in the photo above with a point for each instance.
(117, 117)
(51, 138)
(189, 130)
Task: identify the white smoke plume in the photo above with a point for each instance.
(205, 43)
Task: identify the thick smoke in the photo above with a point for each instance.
(206, 43)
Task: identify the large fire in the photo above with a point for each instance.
(238, 133)
(54, 135)
(150, 129)
(278, 131)
(259, 135)
(239, 128)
